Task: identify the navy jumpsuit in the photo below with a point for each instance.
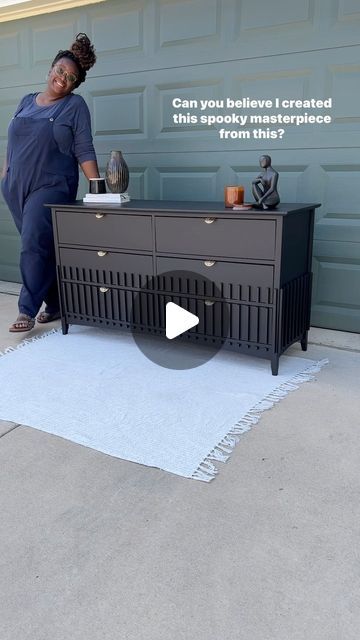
(38, 173)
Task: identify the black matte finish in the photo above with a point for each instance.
(260, 262)
(123, 232)
(239, 238)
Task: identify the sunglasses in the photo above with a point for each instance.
(62, 73)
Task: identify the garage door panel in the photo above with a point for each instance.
(338, 229)
(342, 318)
(338, 283)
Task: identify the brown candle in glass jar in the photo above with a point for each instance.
(233, 195)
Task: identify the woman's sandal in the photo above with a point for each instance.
(45, 316)
(22, 323)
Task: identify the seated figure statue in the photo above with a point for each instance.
(264, 187)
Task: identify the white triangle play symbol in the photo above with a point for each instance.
(178, 320)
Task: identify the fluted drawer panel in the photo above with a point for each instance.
(120, 231)
(242, 238)
(91, 304)
(88, 302)
(232, 280)
(240, 322)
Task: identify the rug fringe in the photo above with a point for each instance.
(26, 341)
(206, 470)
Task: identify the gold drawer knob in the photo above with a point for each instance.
(104, 289)
(209, 303)
(209, 220)
(101, 254)
(99, 215)
(209, 263)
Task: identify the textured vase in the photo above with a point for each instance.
(117, 173)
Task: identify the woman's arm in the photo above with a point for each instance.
(90, 169)
(83, 144)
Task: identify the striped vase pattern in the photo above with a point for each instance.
(117, 173)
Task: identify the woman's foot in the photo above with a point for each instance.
(22, 323)
(45, 316)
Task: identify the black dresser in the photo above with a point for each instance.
(255, 264)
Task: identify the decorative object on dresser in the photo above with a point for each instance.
(260, 262)
(117, 173)
(264, 187)
(109, 198)
(233, 195)
(97, 186)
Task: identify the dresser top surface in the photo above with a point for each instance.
(185, 207)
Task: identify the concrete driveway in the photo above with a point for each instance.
(93, 547)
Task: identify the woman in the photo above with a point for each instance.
(49, 136)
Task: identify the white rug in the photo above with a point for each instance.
(97, 389)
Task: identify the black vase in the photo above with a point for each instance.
(117, 173)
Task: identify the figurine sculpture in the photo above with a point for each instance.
(264, 187)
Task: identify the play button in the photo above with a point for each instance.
(178, 320)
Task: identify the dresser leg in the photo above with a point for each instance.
(64, 326)
(275, 365)
(304, 341)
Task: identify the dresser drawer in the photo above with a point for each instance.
(111, 230)
(242, 238)
(111, 261)
(258, 275)
(121, 269)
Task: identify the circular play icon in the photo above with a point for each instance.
(179, 318)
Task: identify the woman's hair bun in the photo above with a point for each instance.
(83, 51)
